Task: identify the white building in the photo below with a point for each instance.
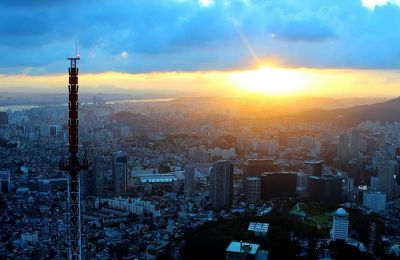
(376, 201)
(243, 250)
(136, 206)
(259, 229)
(340, 227)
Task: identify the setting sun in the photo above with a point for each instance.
(272, 81)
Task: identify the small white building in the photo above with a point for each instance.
(340, 227)
(259, 229)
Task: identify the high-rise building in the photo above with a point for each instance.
(54, 130)
(5, 180)
(325, 190)
(276, 185)
(386, 172)
(343, 147)
(3, 118)
(301, 182)
(355, 143)
(282, 139)
(307, 142)
(120, 173)
(98, 175)
(199, 155)
(85, 185)
(373, 183)
(254, 167)
(325, 145)
(314, 167)
(293, 142)
(253, 189)
(190, 181)
(340, 226)
(221, 182)
(376, 201)
(354, 171)
(348, 184)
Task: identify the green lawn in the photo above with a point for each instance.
(315, 216)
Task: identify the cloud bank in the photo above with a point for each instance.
(184, 35)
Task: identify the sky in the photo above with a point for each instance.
(273, 47)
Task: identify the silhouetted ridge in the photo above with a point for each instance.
(385, 111)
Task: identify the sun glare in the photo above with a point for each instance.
(271, 81)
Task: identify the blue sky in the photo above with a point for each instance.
(177, 35)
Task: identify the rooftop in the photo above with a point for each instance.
(314, 161)
(158, 178)
(341, 212)
(258, 227)
(242, 247)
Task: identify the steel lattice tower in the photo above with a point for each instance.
(73, 165)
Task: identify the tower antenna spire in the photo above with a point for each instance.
(73, 165)
(77, 55)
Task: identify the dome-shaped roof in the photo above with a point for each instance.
(341, 212)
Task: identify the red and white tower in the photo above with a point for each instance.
(73, 165)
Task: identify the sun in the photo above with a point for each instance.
(271, 81)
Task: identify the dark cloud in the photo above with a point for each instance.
(305, 30)
(182, 35)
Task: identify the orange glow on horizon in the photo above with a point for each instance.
(271, 81)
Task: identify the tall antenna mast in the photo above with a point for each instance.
(73, 166)
(76, 50)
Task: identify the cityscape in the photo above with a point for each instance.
(178, 148)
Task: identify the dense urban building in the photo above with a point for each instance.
(221, 182)
(326, 189)
(5, 180)
(3, 119)
(278, 185)
(253, 189)
(375, 201)
(255, 167)
(355, 143)
(190, 180)
(386, 173)
(120, 173)
(98, 175)
(314, 167)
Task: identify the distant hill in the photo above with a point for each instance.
(271, 107)
(384, 111)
